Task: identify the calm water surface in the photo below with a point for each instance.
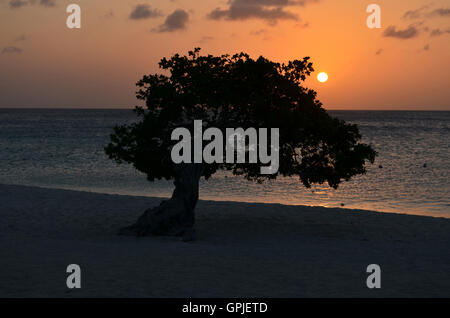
(64, 149)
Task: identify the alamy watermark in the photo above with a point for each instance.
(374, 19)
(373, 281)
(74, 19)
(235, 146)
(73, 281)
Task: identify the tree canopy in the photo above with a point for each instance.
(238, 91)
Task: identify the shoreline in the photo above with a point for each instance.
(156, 197)
(242, 249)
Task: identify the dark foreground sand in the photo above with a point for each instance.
(242, 250)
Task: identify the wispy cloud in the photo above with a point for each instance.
(11, 50)
(439, 32)
(268, 10)
(422, 15)
(175, 21)
(415, 14)
(408, 33)
(16, 4)
(47, 3)
(441, 12)
(144, 11)
(426, 12)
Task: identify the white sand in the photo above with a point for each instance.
(242, 250)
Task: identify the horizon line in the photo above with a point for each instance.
(131, 108)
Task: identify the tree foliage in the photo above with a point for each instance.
(238, 91)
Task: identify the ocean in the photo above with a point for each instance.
(63, 148)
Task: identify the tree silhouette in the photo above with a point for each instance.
(231, 91)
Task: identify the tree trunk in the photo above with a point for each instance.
(174, 217)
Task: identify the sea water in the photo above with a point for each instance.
(63, 148)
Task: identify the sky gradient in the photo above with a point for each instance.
(403, 65)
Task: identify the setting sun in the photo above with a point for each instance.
(322, 77)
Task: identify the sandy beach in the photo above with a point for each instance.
(242, 250)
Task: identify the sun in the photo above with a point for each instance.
(322, 77)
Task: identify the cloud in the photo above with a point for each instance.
(439, 32)
(175, 21)
(424, 12)
(144, 11)
(441, 12)
(268, 10)
(422, 15)
(407, 33)
(415, 14)
(15, 4)
(47, 3)
(11, 50)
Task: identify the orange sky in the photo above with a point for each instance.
(45, 64)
